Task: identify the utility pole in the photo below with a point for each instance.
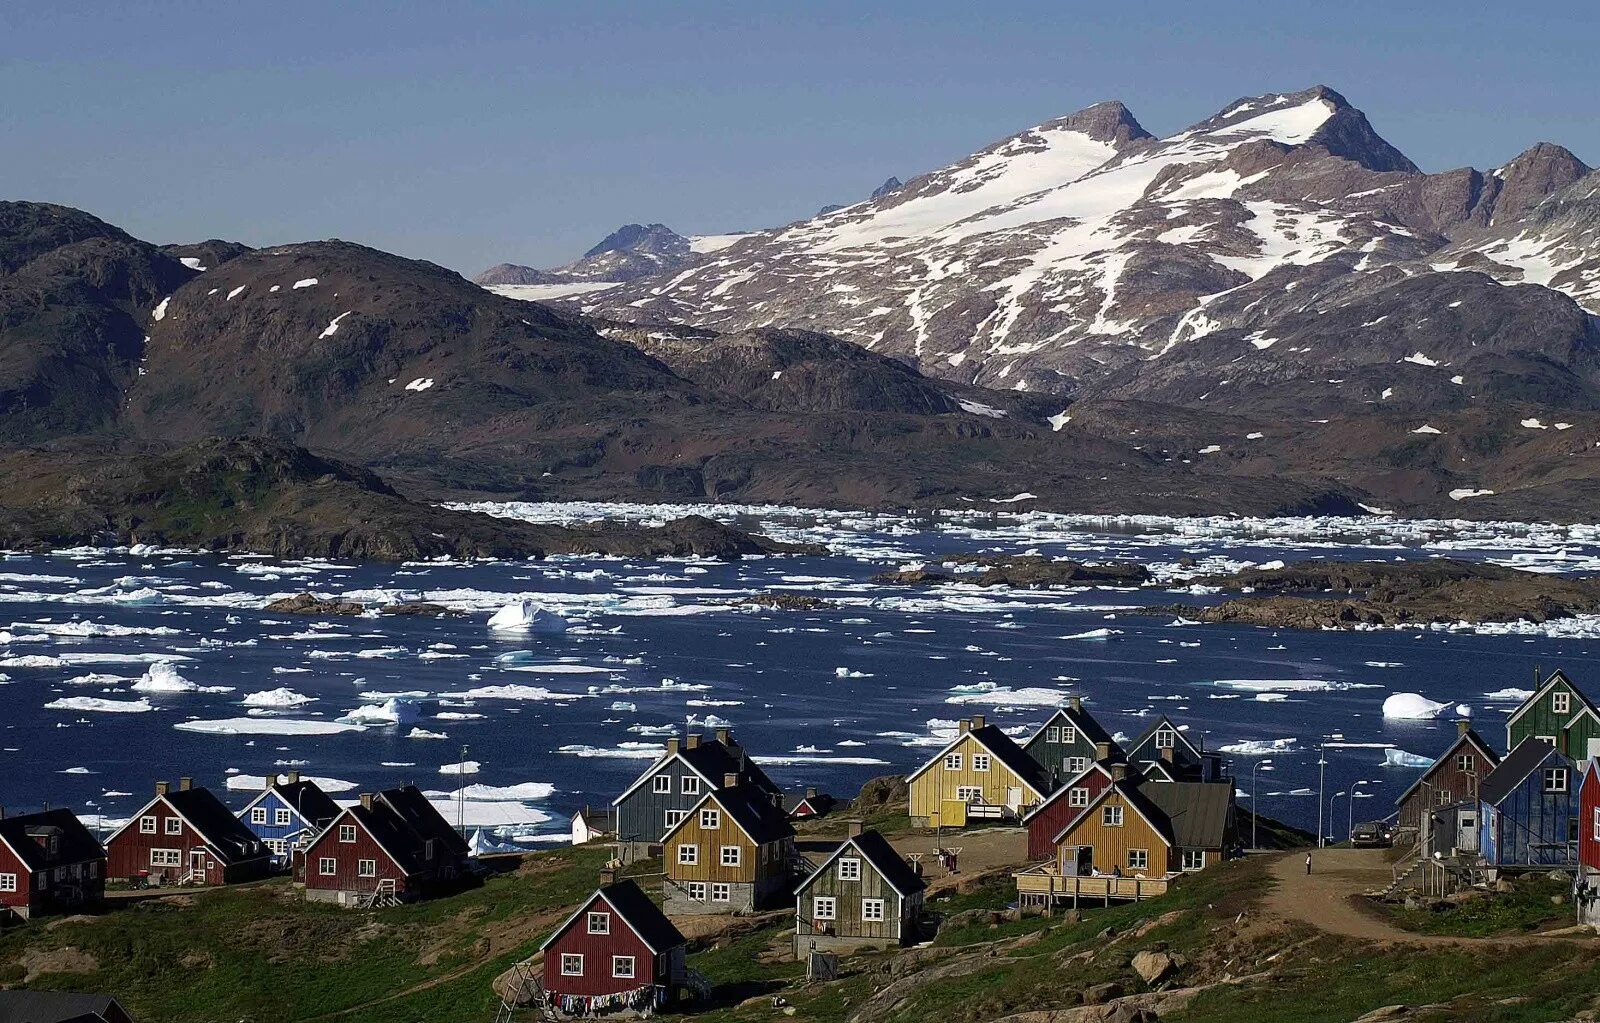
(1322, 773)
(1255, 807)
(461, 792)
(1350, 821)
(1331, 800)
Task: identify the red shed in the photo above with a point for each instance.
(617, 954)
(187, 837)
(1587, 889)
(49, 863)
(390, 846)
(1063, 806)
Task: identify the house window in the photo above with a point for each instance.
(367, 868)
(661, 783)
(730, 856)
(166, 858)
(952, 762)
(697, 891)
(688, 855)
(147, 825)
(571, 965)
(721, 892)
(1444, 797)
(622, 967)
(850, 869)
(1069, 733)
(1138, 859)
(969, 793)
(1194, 859)
(1052, 734)
(981, 761)
(824, 907)
(1561, 703)
(1111, 816)
(674, 816)
(327, 866)
(599, 923)
(1555, 779)
(278, 846)
(691, 785)
(8, 882)
(1078, 796)
(174, 825)
(258, 815)
(1572, 829)
(347, 833)
(872, 910)
(1166, 739)
(1076, 765)
(711, 820)
(1597, 824)
(281, 818)
(1466, 763)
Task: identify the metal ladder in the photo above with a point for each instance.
(524, 989)
(383, 895)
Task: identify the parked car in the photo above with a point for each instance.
(1372, 835)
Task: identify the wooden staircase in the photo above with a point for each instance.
(522, 990)
(383, 895)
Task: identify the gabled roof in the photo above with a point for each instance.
(1002, 748)
(304, 797)
(1197, 812)
(819, 803)
(1080, 719)
(1149, 733)
(1518, 764)
(876, 850)
(402, 822)
(1097, 767)
(1470, 736)
(748, 807)
(1556, 677)
(412, 807)
(713, 762)
(223, 833)
(628, 901)
(74, 842)
(1129, 791)
(56, 1006)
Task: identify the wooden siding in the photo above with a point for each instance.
(849, 922)
(752, 868)
(129, 852)
(56, 888)
(1045, 825)
(931, 788)
(1539, 717)
(1445, 783)
(597, 950)
(1532, 827)
(347, 857)
(1053, 756)
(1111, 844)
(1589, 819)
(1583, 738)
(296, 831)
(642, 817)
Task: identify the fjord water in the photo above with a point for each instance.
(833, 696)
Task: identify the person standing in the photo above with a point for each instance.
(1308, 864)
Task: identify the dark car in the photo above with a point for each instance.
(1372, 835)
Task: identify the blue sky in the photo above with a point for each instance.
(469, 133)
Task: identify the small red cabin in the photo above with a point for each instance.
(49, 863)
(390, 846)
(617, 954)
(1588, 881)
(187, 837)
(1062, 808)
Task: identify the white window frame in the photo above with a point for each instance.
(1111, 816)
(1138, 859)
(8, 882)
(366, 868)
(672, 817)
(1561, 702)
(621, 972)
(1194, 859)
(850, 869)
(1077, 765)
(327, 866)
(688, 855)
(1557, 779)
(147, 825)
(697, 890)
(824, 907)
(166, 857)
(1053, 734)
(872, 911)
(731, 856)
(691, 785)
(1466, 763)
(982, 762)
(721, 891)
(1597, 824)
(282, 818)
(661, 784)
(1069, 733)
(277, 846)
(599, 923)
(952, 761)
(711, 820)
(967, 793)
(1166, 738)
(571, 964)
(1078, 796)
(347, 834)
(174, 826)
(258, 815)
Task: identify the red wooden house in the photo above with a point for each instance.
(187, 837)
(49, 863)
(617, 954)
(389, 847)
(1063, 806)
(1588, 881)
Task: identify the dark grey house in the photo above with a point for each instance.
(669, 788)
(1162, 752)
(1069, 742)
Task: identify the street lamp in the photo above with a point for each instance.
(1331, 801)
(461, 793)
(1322, 773)
(1350, 815)
(1255, 807)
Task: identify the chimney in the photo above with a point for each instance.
(1167, 753)
(730, 780)
(977, 722)
(1463, 726)
(1102, 751)
(162, 788)
(725, 736)
(811, 792)
(608, 877)
(672, 745)
(693, 742)
(854, 830)
(1119, 772)
(294, 777)
(966, 725)
(269, 780)
(366, 800)
(1075, 702)
(185, 784)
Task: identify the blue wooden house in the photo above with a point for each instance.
(286, 816)
(1528, 809)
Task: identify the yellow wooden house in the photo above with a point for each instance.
(980, 775)
(733, 852)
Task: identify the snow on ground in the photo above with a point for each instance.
(547, 292)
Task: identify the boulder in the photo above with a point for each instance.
(1154, 967)
(1099, 994)
(306, 604)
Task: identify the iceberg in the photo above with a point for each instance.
(280, 697)
(1400, 758)
(163, 677)
(394, 711)
(1412, 707)
(526, 616)
(138, 706)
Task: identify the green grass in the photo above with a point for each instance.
(1528, 908)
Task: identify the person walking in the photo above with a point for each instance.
(1308, 864)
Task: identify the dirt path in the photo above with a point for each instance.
(1323, 899)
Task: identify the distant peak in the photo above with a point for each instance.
(1104, 122)
(892, 185)
(1344, 131)
(1546, 154)
(630, 237)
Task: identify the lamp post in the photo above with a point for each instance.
(1350, 815)
(1322, 773)
(461, 793)
(1331, 801)
(1255, 807)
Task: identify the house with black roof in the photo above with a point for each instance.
(60, 1007)
(287, 815)
(49, 863)
(981, 774)
(389, 847)
(1163, 752)
(1528, 810)
(733, 852)
(618, 953)
(1069, 742)
(669, 788)
(187, 836)
(864, 895)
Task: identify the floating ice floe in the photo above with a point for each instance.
(563, 669)
(1400, 758)
(395, 711)
(256, 782)
(465, 767)
(1511, 695)
(91, 630)
(850, 673)
(1412, 707)
(527, 616)
(515, 692)
(794, 759)
(74, 660)
(280, 697)
(1260, 747)
(266, 726)
(1005, 696)
(91, 703)
(622, 751)
(423, 733)
(1289, 685)
(163, 677)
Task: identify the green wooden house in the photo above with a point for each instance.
(865, 895)
(1560, 714)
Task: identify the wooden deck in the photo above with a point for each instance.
(1041, 885)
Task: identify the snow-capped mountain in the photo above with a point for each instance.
(1077, 252)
